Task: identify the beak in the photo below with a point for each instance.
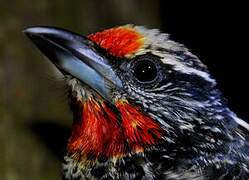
(76, 55)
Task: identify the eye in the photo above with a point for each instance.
(145, 71)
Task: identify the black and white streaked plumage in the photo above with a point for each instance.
(201, 139)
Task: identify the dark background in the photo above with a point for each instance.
(34, 117)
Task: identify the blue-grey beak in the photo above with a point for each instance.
(76, 55)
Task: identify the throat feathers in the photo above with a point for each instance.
(102, 131)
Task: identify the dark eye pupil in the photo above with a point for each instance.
(145, 71)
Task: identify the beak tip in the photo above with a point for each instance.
(31, 31)
(26, 31)
(38, 30)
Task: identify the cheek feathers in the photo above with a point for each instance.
(119, 41)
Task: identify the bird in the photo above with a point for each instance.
(144, 107)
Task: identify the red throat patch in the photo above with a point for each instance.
(100, 132)
(118, 41)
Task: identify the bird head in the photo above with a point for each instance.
(133, 90)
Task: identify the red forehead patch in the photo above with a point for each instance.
(118, 41)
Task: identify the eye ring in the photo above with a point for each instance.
(145, 71)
